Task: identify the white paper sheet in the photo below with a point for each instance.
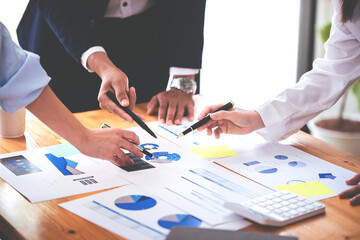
(274, 164)
(35, 176)
(203, 189)
(132, 212)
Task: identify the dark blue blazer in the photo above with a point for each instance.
(61, 30)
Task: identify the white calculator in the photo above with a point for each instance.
(277, 209)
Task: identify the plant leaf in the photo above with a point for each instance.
(355, 88)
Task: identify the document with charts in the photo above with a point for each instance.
(132, 213)
(283, 167)
(41, 175)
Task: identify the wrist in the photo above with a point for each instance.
(100, 63)
(257, 122)
(184, 83)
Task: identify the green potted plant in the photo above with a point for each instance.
(342, 129)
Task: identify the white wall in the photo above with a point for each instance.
(11, 12)
(250, 51)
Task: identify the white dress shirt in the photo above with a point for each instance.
(22, 78)
(319, 88)
(124, 9)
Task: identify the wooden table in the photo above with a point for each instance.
(22, 220)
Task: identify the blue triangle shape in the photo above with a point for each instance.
(136, 198)
(181, 217)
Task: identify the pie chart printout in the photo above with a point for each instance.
(297, 164)
(135, 202)
(164, 157)
(265, 169)
(179, 220)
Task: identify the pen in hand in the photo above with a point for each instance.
(132, 115)
(198, 124)
(143, 150)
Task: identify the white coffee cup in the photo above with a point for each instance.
(12, 125)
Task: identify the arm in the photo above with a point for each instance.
(23, 82)
(318, 89)
(186, 25)
(76, 25)
(98, 143)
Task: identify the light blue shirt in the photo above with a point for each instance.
(22, 78)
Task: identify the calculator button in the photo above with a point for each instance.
(285, 203)
(269, 202)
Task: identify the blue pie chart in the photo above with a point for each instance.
(135, 202)
(149, 146)
(265, 169)
(280, 157)
(165, 155)
(297, 164)
(179, 220)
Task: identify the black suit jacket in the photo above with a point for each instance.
(60, 31)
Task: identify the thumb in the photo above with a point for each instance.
(123, 98)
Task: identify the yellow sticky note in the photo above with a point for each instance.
(213, 151)
(308, 189)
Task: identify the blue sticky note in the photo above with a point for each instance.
(63, 150)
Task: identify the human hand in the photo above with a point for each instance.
(107, 144)
(114, 80)
(172, 105)
(354, 192)
(235, 121)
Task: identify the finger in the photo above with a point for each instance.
(152, 105)
(104, 107)
(129, 135)
(171, 111)
(354, 180)
(217, 132)
(118, 111)
(206, 125)
(122, 97)
(162, 111)
(208, 110)
(231, 116)
(117, 161)
(132, 98)
(350, 192)
(179, 114)
(190, 110)
(212, 124)
(124, 158)
(209, 131)
(107, 104)
(355, 200)
(141, 116)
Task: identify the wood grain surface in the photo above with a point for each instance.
(19, 219)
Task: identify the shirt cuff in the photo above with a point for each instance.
(183, 71)
(180, 71)
(86, 55)
(274, 129)
(25, 85)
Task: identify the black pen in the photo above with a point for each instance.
(143, 150)
(132, 115)
(227, 106)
